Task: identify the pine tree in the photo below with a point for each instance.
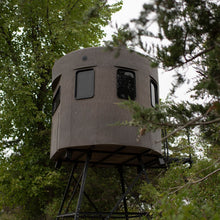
(188, 36)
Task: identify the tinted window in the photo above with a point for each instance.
(84, 84)
(56, 101)
(126, 85)
(55, 82)
(154, 93)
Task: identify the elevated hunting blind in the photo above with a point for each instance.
(87, 85)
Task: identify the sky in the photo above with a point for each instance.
(130, 10)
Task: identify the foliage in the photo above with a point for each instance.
(188, 33)
(183, 193)
(183, 39)
(33, 34)
(186, 38)
(176, 35)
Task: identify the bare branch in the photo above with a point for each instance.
(208, 122)
(192, 58)
(200, 53)
(215, 162)
(197, 181)
(186, 125)
(179, 129)
(204, 178)
(177, 125)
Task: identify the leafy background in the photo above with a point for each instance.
(33, 34)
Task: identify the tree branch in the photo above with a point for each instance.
(186, 125)
(197, 181)
(73, 6)
(200, 53)
(179, 129)
(192, 58)
(208, 122)
(176, 125)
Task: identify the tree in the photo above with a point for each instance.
(33, 34)
(188, 35)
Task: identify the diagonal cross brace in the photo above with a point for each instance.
(67, 188)
(83, 181)
(124, 195)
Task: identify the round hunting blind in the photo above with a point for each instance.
(87, 85)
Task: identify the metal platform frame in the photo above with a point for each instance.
(97, 214)
(155, 162)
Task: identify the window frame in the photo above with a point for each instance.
(57, 95)
(121, 69)
(56, 82)
(154, 83)
(93, 84)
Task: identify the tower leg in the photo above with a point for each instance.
(67, 189)
(79, 189)
(125, 194)
(120, 170)
(81, 192)
(143, 168)
(80, 183)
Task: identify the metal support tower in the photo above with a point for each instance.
(97, 214)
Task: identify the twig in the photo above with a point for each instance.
(208, 122)
(187, 124)
(204, 178)
(178, 129)
(215, 162)
(192, 58)
(197, 181)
